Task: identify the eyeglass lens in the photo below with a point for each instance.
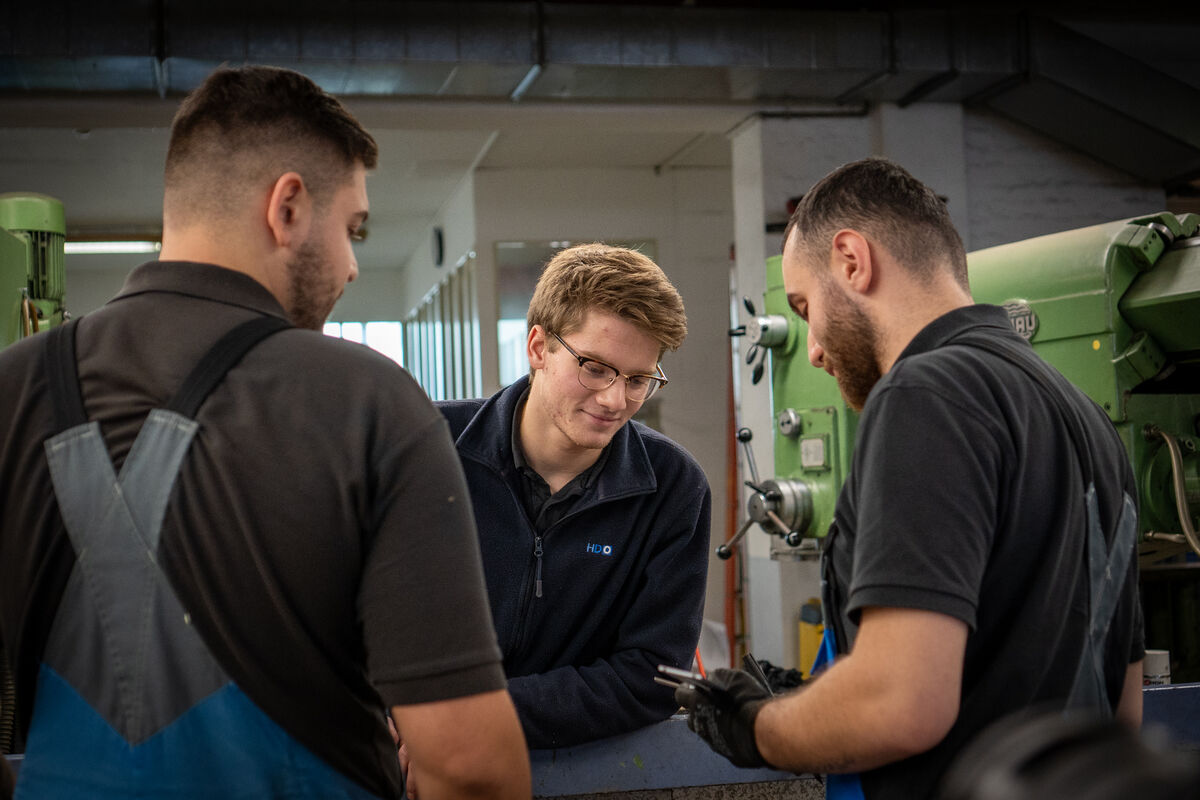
(596, 376)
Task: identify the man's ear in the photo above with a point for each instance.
(853, 265)
(289, 210)
(535, 347)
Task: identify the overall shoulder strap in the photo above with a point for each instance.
(62, 370)
(1107, 562)
(62, 374)
(221, 358)
(1023, 357)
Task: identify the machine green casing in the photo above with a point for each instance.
(1114, 307)
(817, 448)
(32, 238)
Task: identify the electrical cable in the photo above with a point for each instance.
(1178, 481)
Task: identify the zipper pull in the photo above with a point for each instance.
(537, 552)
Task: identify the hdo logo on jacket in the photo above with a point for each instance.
(600, 550)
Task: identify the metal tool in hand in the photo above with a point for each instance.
(755, 669)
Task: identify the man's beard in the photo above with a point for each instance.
(851, 344)
(309, 301)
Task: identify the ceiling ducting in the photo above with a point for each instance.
(1041, 72)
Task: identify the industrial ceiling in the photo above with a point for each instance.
(648, 83)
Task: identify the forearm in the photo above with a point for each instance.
(572, 705)
(1129, 708)
(507, 780)
(469, 747)
(829, 726)
(895, 696)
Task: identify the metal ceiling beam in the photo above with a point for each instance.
(1102, 101)
(1108, 104)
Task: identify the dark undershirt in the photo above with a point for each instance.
(543, 507)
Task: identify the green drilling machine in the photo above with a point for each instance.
(1116, 309)
(32, 238)
(32, 242)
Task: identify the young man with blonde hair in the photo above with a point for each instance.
(594, 528)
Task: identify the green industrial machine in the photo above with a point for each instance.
(814, 432)
(32, 285)
(1116, 309)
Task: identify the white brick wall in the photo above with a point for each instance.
(1023, 184)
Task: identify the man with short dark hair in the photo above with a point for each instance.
(594, 527)
(219, 522)
(959, 575)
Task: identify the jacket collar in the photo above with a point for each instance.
(487, 438)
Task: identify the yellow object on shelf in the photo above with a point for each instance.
(811, 630)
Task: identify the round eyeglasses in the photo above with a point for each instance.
(598, 376)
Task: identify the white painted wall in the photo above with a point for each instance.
(457, 221)
(688, 212)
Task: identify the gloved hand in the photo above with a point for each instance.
(725, 717)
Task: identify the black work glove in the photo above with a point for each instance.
(724, 716)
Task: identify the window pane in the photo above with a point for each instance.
(386, 338)
(511, 341)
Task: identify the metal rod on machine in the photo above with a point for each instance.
(1177, 479)
(726, 550)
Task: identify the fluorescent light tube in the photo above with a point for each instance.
(98, 248)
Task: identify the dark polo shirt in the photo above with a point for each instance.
(319, 532)
(966, 498)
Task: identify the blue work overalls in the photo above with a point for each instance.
(130, 702)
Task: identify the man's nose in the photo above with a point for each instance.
(614, 396)
(816, 353)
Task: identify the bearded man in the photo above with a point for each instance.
(980, 559)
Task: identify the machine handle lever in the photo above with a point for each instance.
(793, 538)
(771, 515)
(726, 550)
(744, 435)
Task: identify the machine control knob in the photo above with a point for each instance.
(782, 507)
(768, 331)
(789, 423)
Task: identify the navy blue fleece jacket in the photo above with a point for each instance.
(623, 576)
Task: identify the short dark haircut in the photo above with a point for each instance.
(243, 128)
(883, 201)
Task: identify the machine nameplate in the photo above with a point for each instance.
(1023, 319)
(812, 453)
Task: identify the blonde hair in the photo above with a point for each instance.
(617, 280)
